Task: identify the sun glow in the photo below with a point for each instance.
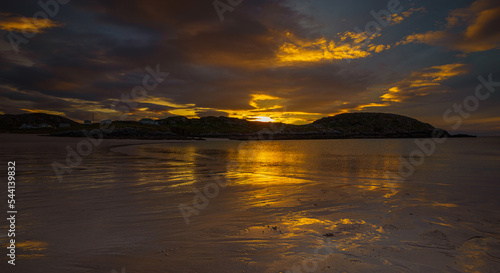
(264, 119)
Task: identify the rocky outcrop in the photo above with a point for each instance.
(372, 125)
(212, 126)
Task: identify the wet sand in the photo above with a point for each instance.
(287, 207)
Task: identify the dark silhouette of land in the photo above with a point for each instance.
(348, 125)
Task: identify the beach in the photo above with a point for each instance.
(254, 206)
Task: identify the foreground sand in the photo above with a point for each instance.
(119, 209)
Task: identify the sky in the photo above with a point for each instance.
(291, 61)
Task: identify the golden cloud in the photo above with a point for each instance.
(351, 45)
(11, 22)
(373, 104)
(50, 112)
(266, 108)
(399, 17)
(165, 102)
(275, 116)
(424, 82)
(265, 102)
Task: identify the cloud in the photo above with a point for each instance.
(424, 82)
(207, 113)
(471, 29)
(349, 45)
(346, 45)
(10, 22)
(361, 107)
(262, 102)
(230, 67)
(398, 18)
(267, 59)
(45, 111)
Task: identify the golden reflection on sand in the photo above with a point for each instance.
(32, 249)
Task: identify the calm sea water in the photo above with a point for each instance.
(120, 207)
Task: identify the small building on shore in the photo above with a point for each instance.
(87, 122)
(148, 121)
(27, 126)
(64, 125)
(106, 122)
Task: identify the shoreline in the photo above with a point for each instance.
(250, 137)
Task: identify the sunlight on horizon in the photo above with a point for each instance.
(264, 119)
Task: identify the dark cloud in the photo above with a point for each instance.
(471, 29)
(207, 113)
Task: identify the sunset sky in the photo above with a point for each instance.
(293, 61)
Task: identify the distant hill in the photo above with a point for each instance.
(374, 124)
(15, 121)
(213, 126)
(349, 125)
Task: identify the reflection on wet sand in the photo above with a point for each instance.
(31, 249)
(288, 204)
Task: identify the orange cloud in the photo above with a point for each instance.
(265, 102)
(350, 45)
(276, 116)
(266, 108)
(45, 111)
(471, 29)
(424, 82)
(363, 106)
(399, 17)
(10, 22)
